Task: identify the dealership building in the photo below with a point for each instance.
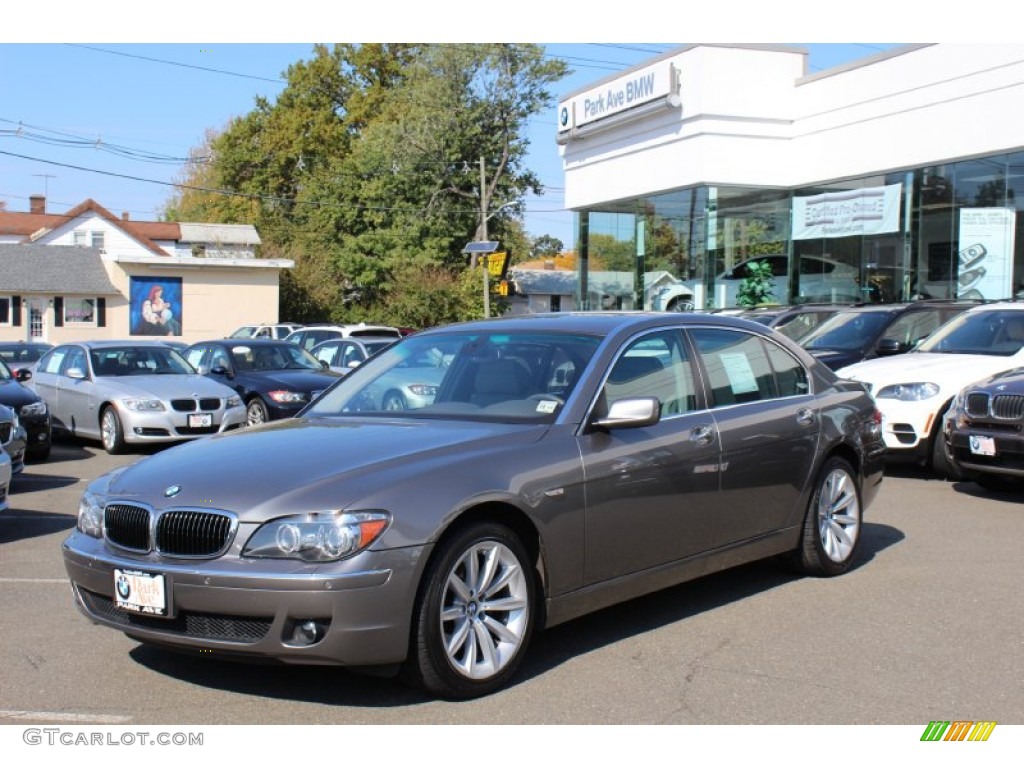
(892, 178)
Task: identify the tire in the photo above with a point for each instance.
(831, 531)
(463, 646)
(256, 413)
(111, 431)
(941, 464)
(394, 401)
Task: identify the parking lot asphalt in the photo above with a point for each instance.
(925, 627)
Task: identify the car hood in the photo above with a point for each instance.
(13, 394)
(302, 465)
(946, 370)
(165, 386)
(301, 381)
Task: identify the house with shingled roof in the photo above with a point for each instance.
(88, 274)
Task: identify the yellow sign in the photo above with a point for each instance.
(496, 264)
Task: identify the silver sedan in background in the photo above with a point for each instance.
(124, 392)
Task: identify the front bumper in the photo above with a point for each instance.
(250, 608)
(164, 426)
(907, 427)
(15, 448)
(1008, 457)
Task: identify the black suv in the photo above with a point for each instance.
(983, 432)
(876, 330)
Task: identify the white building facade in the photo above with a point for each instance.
(893, 178)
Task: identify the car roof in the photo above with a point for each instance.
(106, 343)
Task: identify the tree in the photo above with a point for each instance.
(365, 171)
(546, 247)
(757, 287)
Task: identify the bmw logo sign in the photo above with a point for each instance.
(563, 117)
(172, 490)
(123, 587)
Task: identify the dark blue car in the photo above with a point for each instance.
(32, 412)
(275, 379)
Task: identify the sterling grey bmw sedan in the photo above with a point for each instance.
(565, 463)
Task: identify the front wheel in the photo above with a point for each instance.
(256, 412)
(111, 431)
(831, 530)
(474, 614)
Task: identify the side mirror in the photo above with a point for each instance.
(324, 364)
(76, 373)
(23, 374)
(220, 370)
(630, 413)
(889, 346)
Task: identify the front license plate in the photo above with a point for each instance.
(140, 592)
(199, 420)
(983, 446)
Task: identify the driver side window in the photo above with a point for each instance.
(654, 366)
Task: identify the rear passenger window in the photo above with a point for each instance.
(744, 368)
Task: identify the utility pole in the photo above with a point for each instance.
(483, 236)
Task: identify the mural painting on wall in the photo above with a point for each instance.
(155, 306)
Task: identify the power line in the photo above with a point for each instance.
(176, 63)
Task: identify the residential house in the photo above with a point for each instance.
(206, 279)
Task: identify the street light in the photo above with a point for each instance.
(483, 249)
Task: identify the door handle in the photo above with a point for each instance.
(805, 417)
(702, 435)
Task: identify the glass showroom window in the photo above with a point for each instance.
(80, 312)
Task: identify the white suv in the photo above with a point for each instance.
(915, 389)
(311, 335)
(264, 331)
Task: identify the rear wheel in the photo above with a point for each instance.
(111, 431)
(832, 526)
(682, 304)
(474, 615)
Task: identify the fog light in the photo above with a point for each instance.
(307, 633)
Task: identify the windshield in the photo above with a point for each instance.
(273, 357)
(994, 332)
(138, 361)
(519, 377)
(846, 331)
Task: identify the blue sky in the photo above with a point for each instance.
(112, 120)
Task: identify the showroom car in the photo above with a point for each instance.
(878, 330)
(131, 393)
(32, 411)
(914, 390)
(984, 431)
(567, 462)
(274, 379)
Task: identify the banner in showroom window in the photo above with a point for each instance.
(985, 253)
(868, 211)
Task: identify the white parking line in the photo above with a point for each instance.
(63, 717)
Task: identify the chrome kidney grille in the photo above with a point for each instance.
(1004, 407)
(175, 532)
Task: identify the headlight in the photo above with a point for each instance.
(915, 391)
(286, 396)
(33, 409)
(90, 515)
(318, 537)
(234, 401)
(423, 390)
(142, 404)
